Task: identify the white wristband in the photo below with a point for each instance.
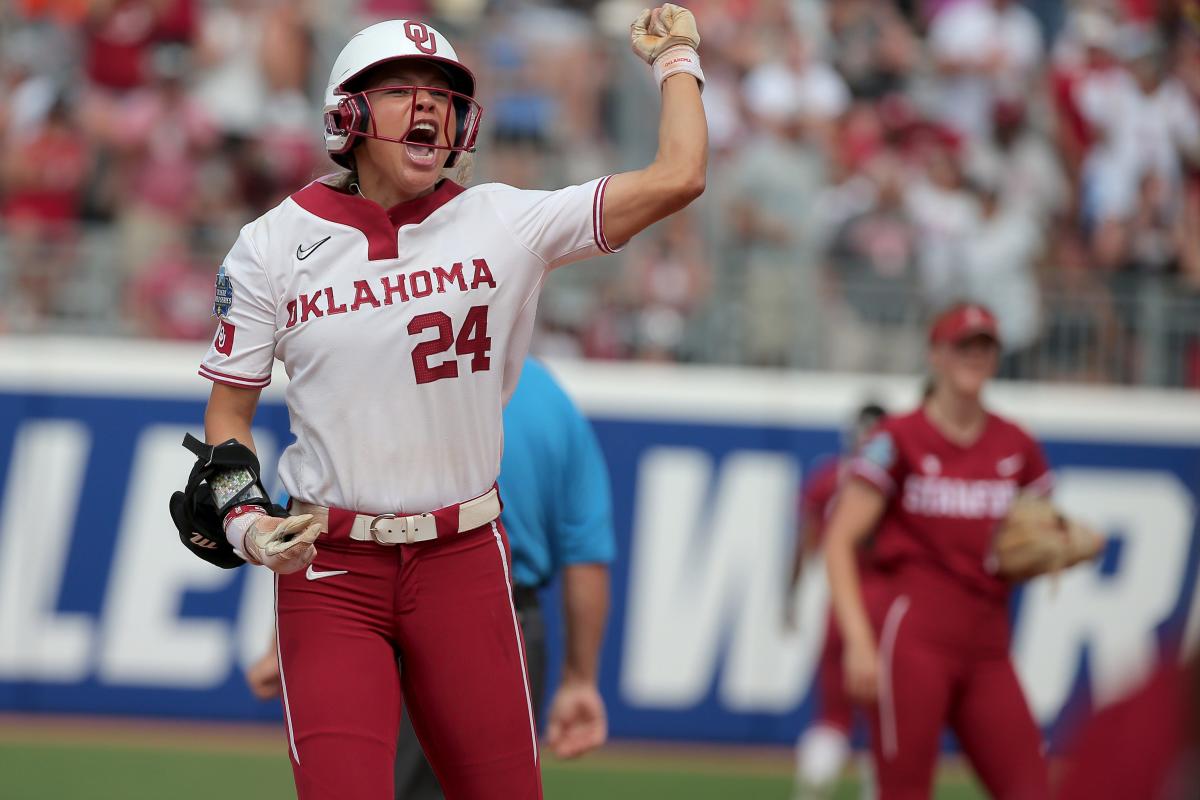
(680, 58)
(237, 522)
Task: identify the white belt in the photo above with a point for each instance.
(401, 529)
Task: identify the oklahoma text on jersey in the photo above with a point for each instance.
(403, 287)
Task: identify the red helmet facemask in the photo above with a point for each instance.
(355, 118)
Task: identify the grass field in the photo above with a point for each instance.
(44, 759)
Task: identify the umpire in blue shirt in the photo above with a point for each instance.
(558, 513)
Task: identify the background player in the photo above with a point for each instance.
(401, 305)
(932, 649)
(823, 747)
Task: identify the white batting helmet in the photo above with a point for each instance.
(348, 113)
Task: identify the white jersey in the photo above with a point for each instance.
(402, 331)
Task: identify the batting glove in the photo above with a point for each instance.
(282, 545)
(667, 39)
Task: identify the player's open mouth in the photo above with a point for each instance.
(421, 135)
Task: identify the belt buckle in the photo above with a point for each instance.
(375, 531)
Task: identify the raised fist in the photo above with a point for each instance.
(655, 32)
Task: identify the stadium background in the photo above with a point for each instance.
(864, 171)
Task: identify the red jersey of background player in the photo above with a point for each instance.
(816, 501)
(944, 499)
(817, 496)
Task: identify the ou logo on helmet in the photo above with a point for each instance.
(419, 34)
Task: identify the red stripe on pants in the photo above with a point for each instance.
(444, 608)
(944, 655)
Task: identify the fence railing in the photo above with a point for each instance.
(1127, 329)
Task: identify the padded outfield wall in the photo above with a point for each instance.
(102, 611)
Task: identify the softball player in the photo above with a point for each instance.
(824, 747)
(401, 305)
(932, 648)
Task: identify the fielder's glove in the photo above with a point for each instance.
(667, 39)
(1035, 539)
(223, 514)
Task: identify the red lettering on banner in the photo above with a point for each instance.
(389, 289)
(329, 302)
(363, 294)
(291, 307)
(412, 283)
(309, 307)
(483, 274)
(455, 276)
(224, 341)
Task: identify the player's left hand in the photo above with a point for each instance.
(655, 32)
(578, 722)
(1036, 539)
(282, 545)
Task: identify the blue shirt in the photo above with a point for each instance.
(553, 481)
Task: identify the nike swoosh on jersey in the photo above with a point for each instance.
(313, 575)
(1010, 465)
(303, 252)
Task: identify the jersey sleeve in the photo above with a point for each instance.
(879, 461)
(583, 526)
(243, 348)
(1036, 477)
(559, 227)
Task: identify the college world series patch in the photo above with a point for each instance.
(223, 295)
(880, 450)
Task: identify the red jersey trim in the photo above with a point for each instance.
(379, 226)
(236, 381)
(873, 474)
(598, 216)
(238, 511)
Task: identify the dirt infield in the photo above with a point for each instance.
(268, 739)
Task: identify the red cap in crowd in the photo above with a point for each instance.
(962, 321)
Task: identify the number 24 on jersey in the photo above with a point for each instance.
(472, 340)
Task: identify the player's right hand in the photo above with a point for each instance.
(578, 722)
(282, 545)
(263, 677)
(861, 666)
(655, 32)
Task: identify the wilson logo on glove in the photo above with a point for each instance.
(200, 541)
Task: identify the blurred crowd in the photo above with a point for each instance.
(872, 160)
